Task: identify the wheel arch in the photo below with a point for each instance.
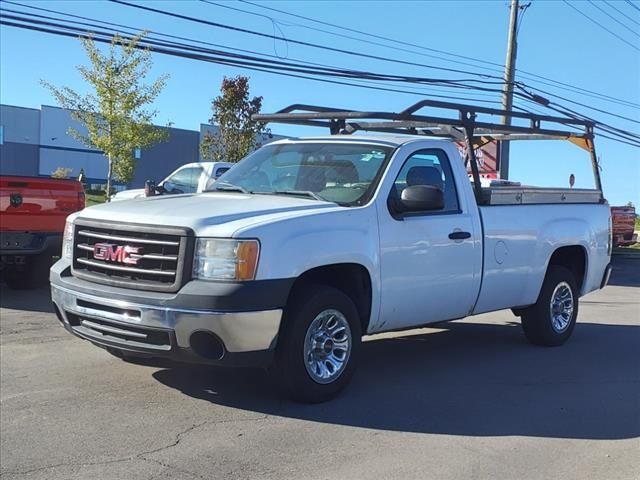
(353, 279)
(574, 258)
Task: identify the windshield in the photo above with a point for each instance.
(336, 172)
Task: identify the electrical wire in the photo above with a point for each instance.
(100, 23)
(497, 80)
(158, 47)
(349, 37)
(523, 73)
(633, 4)
(530, 110)
(612, 6)
(601, 26)
(277, 67)
(622, 117)
(600, 96)
(614, 18)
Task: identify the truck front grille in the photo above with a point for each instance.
(140, 257)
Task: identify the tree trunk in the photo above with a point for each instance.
(109, 175)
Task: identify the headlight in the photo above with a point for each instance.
(67, 241)
(225, 259)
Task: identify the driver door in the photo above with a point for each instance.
(430, 261)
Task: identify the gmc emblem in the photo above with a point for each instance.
(112, 253)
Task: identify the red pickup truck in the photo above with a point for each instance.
(623, 220)
(32, 218)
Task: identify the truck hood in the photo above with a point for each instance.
(205, 210)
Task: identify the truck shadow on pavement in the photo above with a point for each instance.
(35, 300)
(463, 379)
(626, 271)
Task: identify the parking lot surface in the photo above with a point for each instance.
(465, 399)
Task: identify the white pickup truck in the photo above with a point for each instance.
(189, 178)
(308, 244)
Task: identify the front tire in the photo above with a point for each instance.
(318, 346)
(551, 320)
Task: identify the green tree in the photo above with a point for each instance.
(237, 133)
(61, 172)
(115, 113)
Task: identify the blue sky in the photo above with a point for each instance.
(555, 41)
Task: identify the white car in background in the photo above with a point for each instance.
(189, 178)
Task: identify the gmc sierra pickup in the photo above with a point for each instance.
(308, 244)
(189, 178)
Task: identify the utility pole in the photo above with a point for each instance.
(507, 89)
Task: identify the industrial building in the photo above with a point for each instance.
(35, 142)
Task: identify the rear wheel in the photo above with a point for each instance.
(551, 320)
(33, 273)
(319, 345)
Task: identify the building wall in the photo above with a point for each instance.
(20, 136)
(157, 162)
(37, 142)
(60, 149)
(19, 159)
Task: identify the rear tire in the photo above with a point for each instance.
(33, 273)
(551, 320)
(318, 345)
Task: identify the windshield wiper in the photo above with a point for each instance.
(227, 187)
(303, 193)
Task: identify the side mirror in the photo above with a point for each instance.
(421, 198)
(149, 188)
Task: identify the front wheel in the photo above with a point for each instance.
(319, 344)
(551, 320)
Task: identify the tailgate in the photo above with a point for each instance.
(38, 204)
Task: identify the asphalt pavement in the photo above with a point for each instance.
(467, 399)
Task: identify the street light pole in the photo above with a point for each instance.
(507, 89)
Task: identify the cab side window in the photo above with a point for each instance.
(428, 167)
(183, 181)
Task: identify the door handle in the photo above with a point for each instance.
(459, 235)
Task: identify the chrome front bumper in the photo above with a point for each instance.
(151, 330)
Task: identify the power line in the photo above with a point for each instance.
(156, 34)
(308, 44)
(536, 78)
(600, 125)
(349, 37)
(246, 60)
(159, 47)
(331, 48)
(611, 5)
(633, 4)
(280, 68)
(373, 35)
(601, 26)
(629, 140)
(613, 18)
(622, 117)
(612, 99)
(529, 109)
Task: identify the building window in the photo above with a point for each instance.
(137, 153)
(1, 134)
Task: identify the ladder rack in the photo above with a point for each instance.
(461, 124)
